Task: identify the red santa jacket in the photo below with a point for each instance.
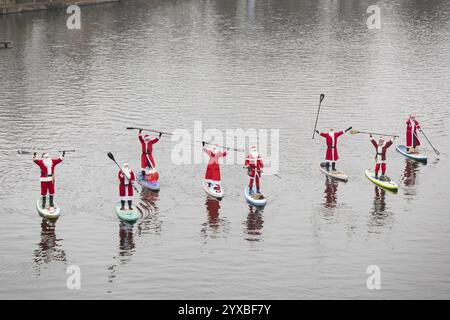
(125, 187)
(47, 173)
(213, 168)
(332, 152)
(147, 147)
(125, 181)
(255, 165)
(381, 150)
(411, 132)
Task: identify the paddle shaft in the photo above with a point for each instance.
(276, 175)
(150, 130)
(378, 134)
(112, 158)
(434, 149)
(322, 96)
(32, 152)
(223, 147)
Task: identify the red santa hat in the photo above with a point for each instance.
(412, 116)
(147, 137)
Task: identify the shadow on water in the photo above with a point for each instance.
(214, 226)
(254, 224)
(49, 248)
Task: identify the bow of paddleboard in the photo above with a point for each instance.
(390, 185)
(212, 191)
(47, 212)
(153, 186)
(414, 156)
(127, 215)
(338, 175)
(252, 200)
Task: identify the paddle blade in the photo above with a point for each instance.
(322, 96)
(354, 131)
(110, 155)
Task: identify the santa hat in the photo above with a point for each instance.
(147, 137)
(45, 155)
(412, 115)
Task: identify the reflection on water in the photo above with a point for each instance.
(410, 174)
(150, 222)
(49, 248)
(126, 249)
(254, 224)
(330, 193)
(214, 225)
(379, 216)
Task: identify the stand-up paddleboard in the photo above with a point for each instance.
(154, 186)
(414, 156)
(213, 191)
(338, 175)
(47, 212)
(127, 215)
(390, 185)
(256, 199)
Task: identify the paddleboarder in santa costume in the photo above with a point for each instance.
(47, 179)
(147, 143)
(126, 178)
(212, 176)
(412, 139)
(254, 165)
(332, 152)
(380, 158)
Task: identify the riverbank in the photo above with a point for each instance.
(11, 6)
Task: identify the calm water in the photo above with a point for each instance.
(230, 64)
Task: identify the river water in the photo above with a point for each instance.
(232, 64)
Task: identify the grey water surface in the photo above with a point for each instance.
(230, 64)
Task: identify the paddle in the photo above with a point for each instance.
(223, 147)
(378, 134)
(322, 96)
(111, 156)
(150, 130)
(274, 174)
(20, 151)
(434, 149)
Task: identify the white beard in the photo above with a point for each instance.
(126, 172)
(254, 154)
(331, 133)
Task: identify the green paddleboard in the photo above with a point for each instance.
(127, 215)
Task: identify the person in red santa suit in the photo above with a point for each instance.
(212, 176)
(147, 143)
(380, 158)
(126, 178)
(47, 179)
(332, 152)
(412, 139)
(254, 165)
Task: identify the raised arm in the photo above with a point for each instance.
(375, 144)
